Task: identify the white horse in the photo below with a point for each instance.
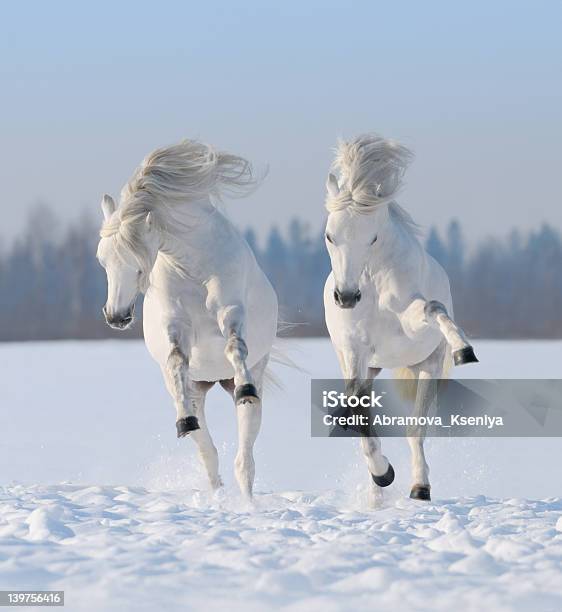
(210, 313)
(387, 301)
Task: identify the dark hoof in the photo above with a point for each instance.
(385, 479)
(465, 355)
(420, 492)
(243, 392)
(185, 425)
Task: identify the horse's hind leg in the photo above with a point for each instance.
(207, 450)
(249, 422)
(427, 373)
(192, 393)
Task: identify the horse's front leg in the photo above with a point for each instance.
(232, 323)
(359, 379)
(427, 373)
(176, 374)
(421, 312)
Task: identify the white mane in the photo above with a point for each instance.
(187, 171)
(370, 169)
(169, 177)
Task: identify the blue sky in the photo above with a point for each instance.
(474, 88)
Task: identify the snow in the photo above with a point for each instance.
(100, 500)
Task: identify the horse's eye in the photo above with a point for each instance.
(374, 240)
(329, 239)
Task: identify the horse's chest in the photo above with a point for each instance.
(380, 332)
(391, 347)
(382, 326)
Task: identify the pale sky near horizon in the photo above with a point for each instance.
(475, 89)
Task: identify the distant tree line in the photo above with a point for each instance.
(51, 285)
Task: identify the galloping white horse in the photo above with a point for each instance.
(387, 301)
(210, 313)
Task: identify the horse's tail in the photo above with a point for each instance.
(279, 355)
(407, 389)
(408, 386)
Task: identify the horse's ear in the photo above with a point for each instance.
(107, 206)
(332, 185)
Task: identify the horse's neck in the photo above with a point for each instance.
(395, 242)
(190, 238)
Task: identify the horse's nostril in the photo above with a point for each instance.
(346, 299)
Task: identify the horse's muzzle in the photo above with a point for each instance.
(119, 320)
(347, 299)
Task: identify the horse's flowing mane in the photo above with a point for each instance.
(370, 172)
(170, 177)
(186, 171)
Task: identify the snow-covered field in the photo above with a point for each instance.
(100, 500)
